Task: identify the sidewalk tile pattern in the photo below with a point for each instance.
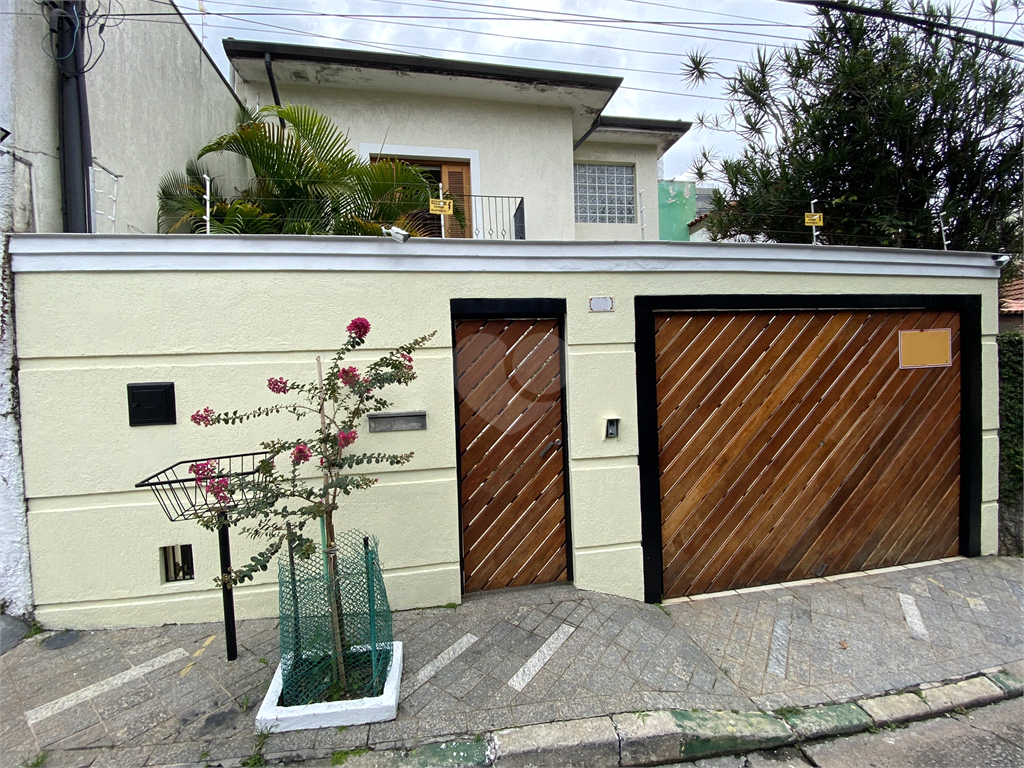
(816, 643)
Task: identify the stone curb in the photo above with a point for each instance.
(672, 736)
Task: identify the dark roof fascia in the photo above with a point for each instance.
(206, 53)
(249, 49)
(677, 127)
(645, 124)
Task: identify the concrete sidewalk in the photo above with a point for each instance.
(520, 677)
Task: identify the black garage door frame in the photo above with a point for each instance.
(645, 307)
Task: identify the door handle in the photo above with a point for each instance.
(549, 446)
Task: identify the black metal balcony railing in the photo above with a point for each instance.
(488, 217)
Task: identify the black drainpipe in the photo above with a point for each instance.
(73, 108)
(268, 62)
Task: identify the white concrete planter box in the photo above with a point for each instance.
(331, 714)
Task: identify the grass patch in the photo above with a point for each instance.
(788, 711)
(453, 606)
(37, 761)
(664, 609)
(35, 628)
(340, 758)
(255, 760)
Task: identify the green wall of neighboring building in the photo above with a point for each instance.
(677, 207)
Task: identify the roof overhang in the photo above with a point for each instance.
(637, 130)
(585, 95)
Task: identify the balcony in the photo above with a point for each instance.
(488, 217)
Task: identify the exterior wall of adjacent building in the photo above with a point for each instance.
(644, 158)
(218, 316)
(154, 99)
(677, 207)
(515, 150)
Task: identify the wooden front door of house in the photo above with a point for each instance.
(793, 444)
(511, 452)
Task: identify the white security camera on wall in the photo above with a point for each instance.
(398, 234)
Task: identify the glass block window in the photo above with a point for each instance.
(605, 194)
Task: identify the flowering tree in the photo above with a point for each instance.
(280, 502)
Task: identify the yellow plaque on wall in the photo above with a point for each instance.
(930, 348)
(447, 207)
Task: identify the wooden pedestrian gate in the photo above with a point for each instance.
(791, 444)
(511, 452)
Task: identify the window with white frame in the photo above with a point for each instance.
(605, 194)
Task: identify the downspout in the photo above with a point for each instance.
(585, 136)
(73, 107)
(268, 62)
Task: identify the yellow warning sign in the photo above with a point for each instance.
(930, 348)
(447, 207)
(814, 219)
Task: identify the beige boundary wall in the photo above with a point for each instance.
(219, 315)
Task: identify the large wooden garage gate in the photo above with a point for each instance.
(791, 445)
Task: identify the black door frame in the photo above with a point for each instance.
(512, 309)
(645, 308)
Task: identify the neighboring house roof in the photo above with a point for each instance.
(1011, 297)
(626, 130)
(585, 94)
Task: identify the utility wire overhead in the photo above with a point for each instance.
(925, 24)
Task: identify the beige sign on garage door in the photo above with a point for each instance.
(926, 348)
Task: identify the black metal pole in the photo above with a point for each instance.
(226, 592)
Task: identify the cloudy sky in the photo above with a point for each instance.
(641, 41)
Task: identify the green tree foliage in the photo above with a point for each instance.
(1011, 443)
(306, 180)
(887, 125)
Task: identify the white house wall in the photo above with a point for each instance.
(218, 316)
(524, 150)
(645, 159)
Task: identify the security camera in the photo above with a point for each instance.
(1001, 261)
(398, 234)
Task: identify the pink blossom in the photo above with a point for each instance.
(218, 488)
(278, 386)
(204, 418)
(345, 439)
(203, 470)
(349, 376)
(358, 328)
(406, 361)
(301, 454)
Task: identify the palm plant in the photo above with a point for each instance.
(306, 180)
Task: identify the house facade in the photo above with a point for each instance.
(506, 139)
(652, 420)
